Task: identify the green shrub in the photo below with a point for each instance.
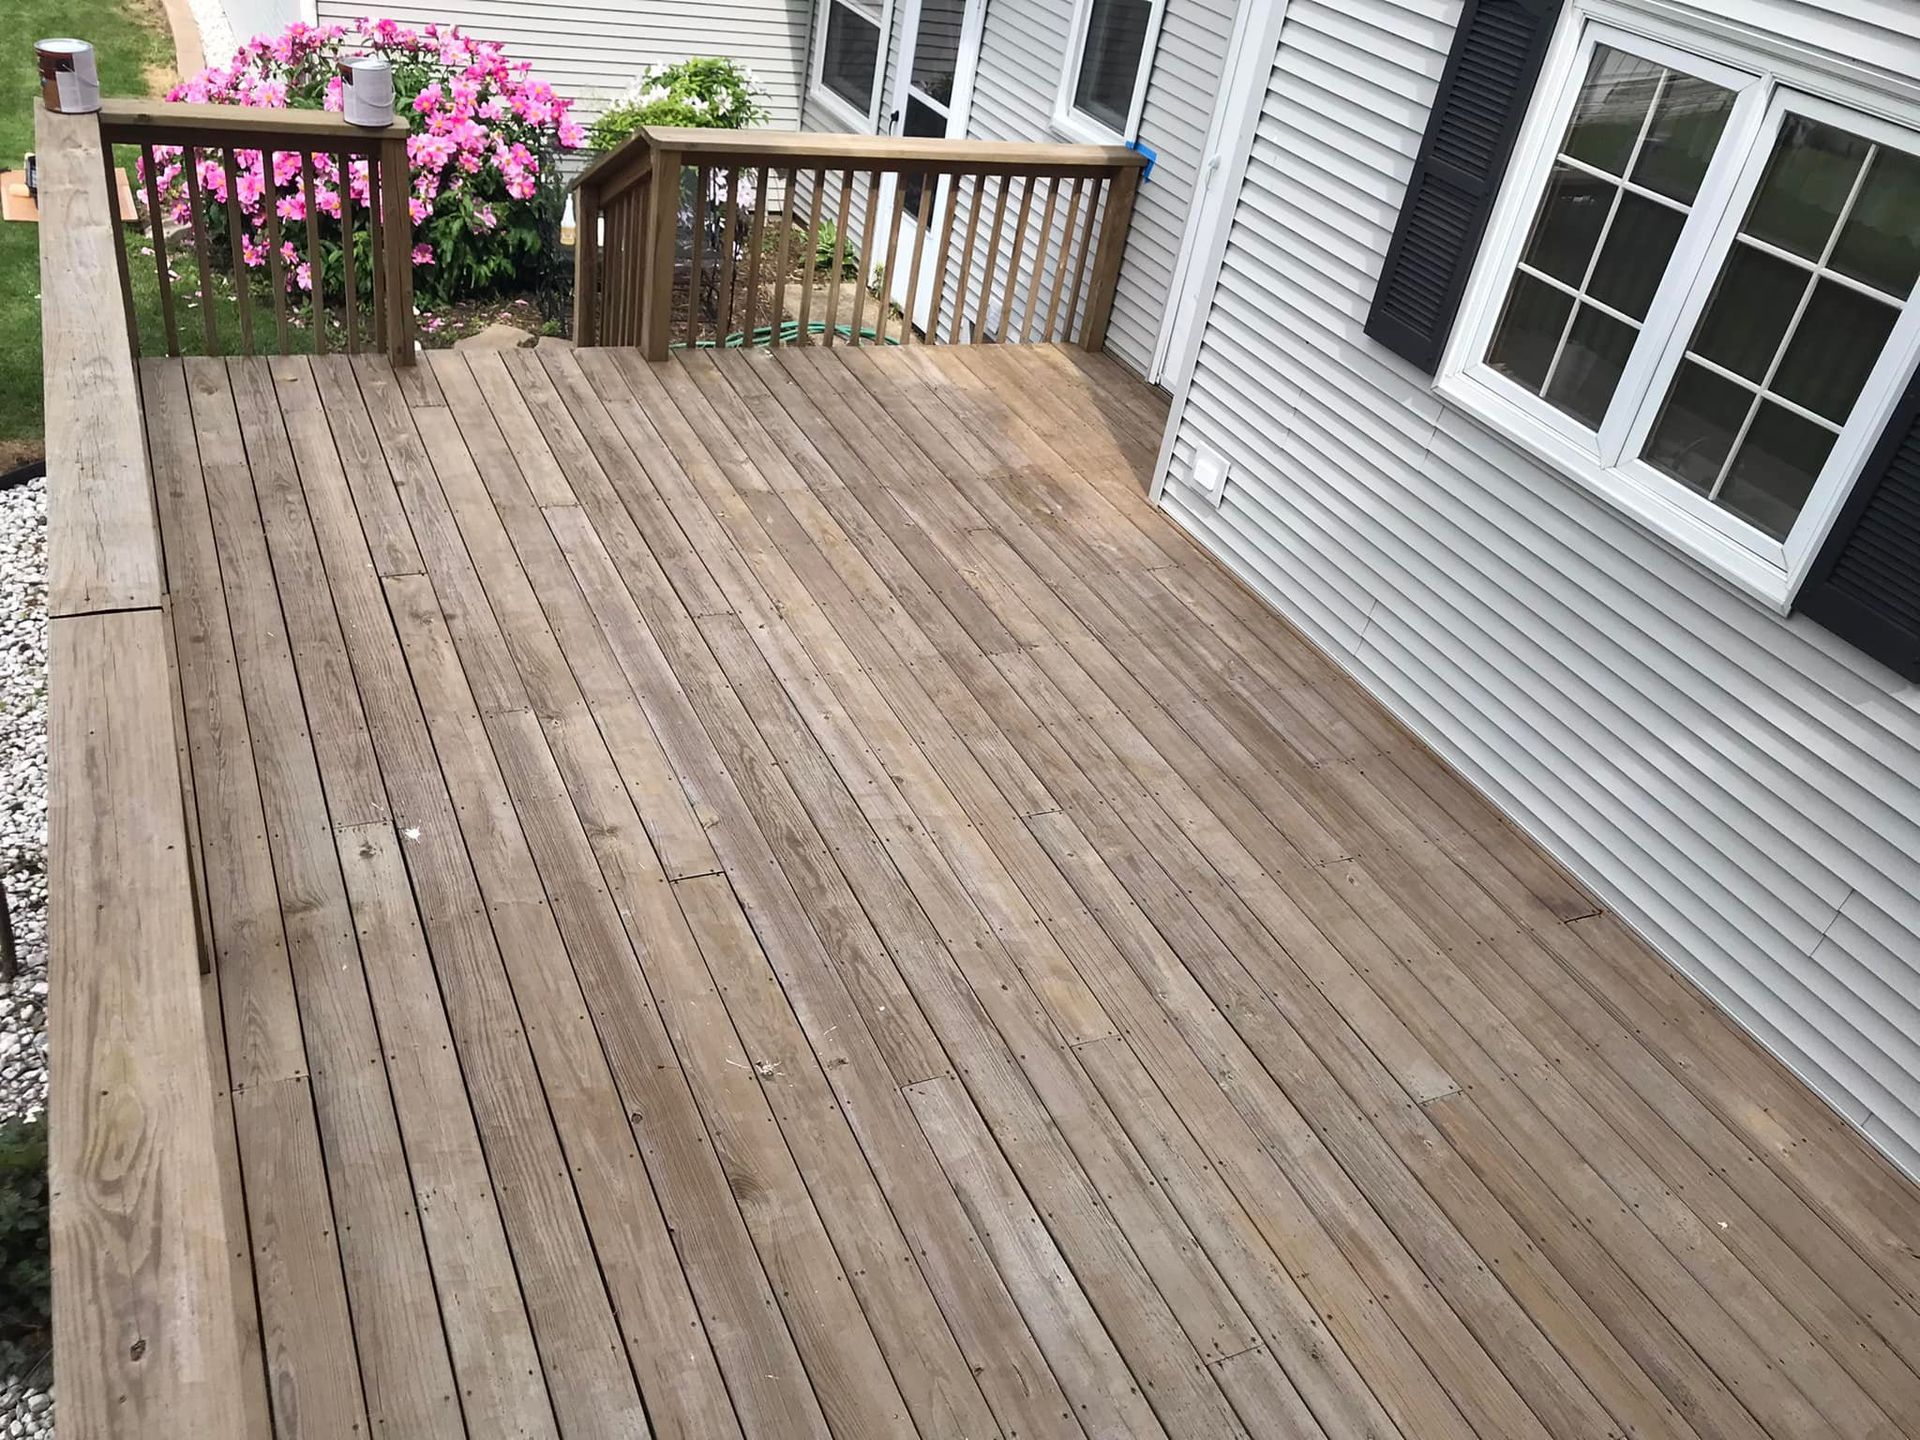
(26, 1273)
(710, 93)
(825, 243)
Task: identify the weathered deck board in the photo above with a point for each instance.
(773, 892)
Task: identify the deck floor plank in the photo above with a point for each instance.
(313, 1370)
(775, 895)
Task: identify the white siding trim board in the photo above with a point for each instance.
(1744, 791)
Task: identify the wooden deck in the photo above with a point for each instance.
(775, 896)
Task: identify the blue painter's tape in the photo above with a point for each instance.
(1151, 154)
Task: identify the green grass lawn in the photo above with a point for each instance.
(134, 50)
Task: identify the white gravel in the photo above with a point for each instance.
(26, 1402)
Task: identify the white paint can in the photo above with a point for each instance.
(69, 79)
(366, 91)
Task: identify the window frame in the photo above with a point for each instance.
(1074, 123)
(1769, 83)
(837, 106)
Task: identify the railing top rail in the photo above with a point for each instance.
(614, 164)
(141, 1241)
(177, 121)
(866, 152)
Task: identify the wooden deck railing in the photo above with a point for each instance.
(302, 154)
(145, 1298)
(693, 237)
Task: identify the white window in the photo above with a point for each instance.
(1109, 55)
(849, 38)
(1697, 292)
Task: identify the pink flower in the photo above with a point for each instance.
(423, 254)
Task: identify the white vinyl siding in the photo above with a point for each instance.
(590, 51)
(1743, 789)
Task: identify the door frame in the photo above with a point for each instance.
(1236, 110)
(1244, 93)
(973, 24)
(966, 64)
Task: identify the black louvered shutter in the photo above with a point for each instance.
(1483, 94)
(1865, 585)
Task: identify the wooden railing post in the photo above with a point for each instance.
(663, 234)
(1106, 267)
(586, 264)
(399, 257)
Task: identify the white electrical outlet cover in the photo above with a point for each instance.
(1209, 475)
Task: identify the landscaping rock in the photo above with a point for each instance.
(23, 794)
(26, 1402)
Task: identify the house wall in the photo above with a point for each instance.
(1022, 53)
(591, 49)
(1742, 788)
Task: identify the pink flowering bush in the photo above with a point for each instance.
(482, 186)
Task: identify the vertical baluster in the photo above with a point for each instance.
(603, 312)
(120, 261)
(993, 263)
(785, 262)
(276, 262)
(756, 238)
(1041, 254)
(1080, 257)
(344, 186)
(316, 270)
(974, 202)
(606, 309)
(376, 234)
(839, 252)
(923, 218)
(727, 221)
(633, 249)
(890, 259)
(202, 250)
(236, 246)
(932, 332)
(865, 277)
(1060, 270)
(1016, 263)
(699, 235)
(156, 220)
(809, 250)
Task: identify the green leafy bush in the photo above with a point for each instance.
(825, 244)
(26, 1273)
(707, 92)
